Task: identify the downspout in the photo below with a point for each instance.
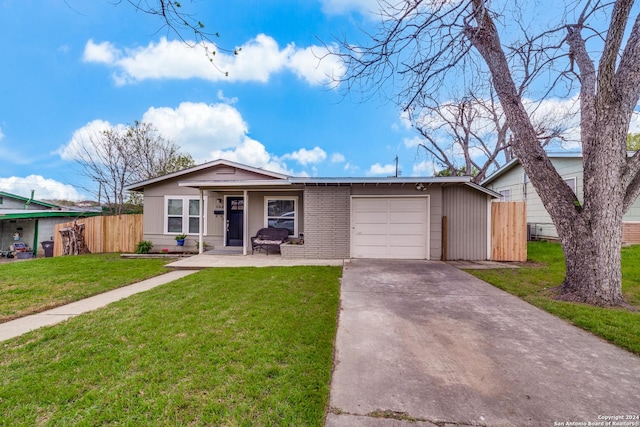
(26, 205)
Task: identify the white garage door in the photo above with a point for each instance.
(390, 227)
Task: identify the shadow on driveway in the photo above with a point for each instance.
(423, 343)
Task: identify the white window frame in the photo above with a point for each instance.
(185, 215)
(505, 194)
(574, 185)
(267, 199)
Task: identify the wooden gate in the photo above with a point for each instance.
(508, 231)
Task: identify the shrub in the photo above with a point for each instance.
(144, 247)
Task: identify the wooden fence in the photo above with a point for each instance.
(508, 231)
(103, 234)
(631, 233)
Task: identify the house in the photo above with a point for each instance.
(223, 203)
(31, 221)
(512, 184)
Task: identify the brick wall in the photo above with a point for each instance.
(326, 224)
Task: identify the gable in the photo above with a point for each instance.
(218, 173)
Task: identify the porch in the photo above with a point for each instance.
(234, 258)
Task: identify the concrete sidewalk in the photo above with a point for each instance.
(25, 324)
(424, 344)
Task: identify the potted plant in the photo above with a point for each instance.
(180, 239)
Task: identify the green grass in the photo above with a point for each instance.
(33, 286)
(223, 347)
(547, 269)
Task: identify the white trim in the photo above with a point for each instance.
(427, 219)
(502, 197)
(296, 218)
(575, 183)
(185, 215)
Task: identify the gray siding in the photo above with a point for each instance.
(467, 223)
(522, 190)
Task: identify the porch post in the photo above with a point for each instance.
(245, 222)
(201, 223)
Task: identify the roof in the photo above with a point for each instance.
(281, 181)
(26, 199)
(514, 162)
(139, 186)
(335, 181)
(31, 213)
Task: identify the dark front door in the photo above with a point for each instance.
(235, 220)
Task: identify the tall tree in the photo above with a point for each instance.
(591, 48)
(115, 158)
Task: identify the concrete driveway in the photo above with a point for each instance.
(425, 344)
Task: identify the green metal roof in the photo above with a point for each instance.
(26, 199)
(20, 214)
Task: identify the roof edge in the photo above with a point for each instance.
(137, 186)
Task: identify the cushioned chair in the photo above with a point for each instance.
(269, 239)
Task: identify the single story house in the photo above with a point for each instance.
(512, 184)
(31, 221)
(221, 204)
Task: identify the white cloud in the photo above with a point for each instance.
(44, 188)
(200, 128)
(316, 65)
(337, 158)
(80, 137)
(104, 53)
(207, 132)
(305, 157)
(378, 169)
(413, 142)
(257, 60)
(1, 134)
(424, 168)
(253, 153)
(338, 7)
(221, 97)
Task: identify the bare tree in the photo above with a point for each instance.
(184, 25)
(115, 158)
(431, 45)
(464, 137)
(471, 136)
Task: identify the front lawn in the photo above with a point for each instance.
(33, 286)
(232, 347)
(546, 271)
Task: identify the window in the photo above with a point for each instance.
(182, 215)
(1, 200)
(281, 212)
(571, 182)
(505, 195)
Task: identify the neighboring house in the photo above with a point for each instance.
(512, 184)
(225, 203)
(31, 221)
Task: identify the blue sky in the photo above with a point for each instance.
(73, 67)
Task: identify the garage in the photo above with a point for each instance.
(390, 227)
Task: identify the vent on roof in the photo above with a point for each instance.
(225, 171)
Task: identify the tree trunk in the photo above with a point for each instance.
(73, 240)
(593, 261)
(591, 235)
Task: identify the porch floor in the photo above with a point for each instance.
(232, 257)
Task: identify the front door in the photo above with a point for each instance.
(235, 221)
